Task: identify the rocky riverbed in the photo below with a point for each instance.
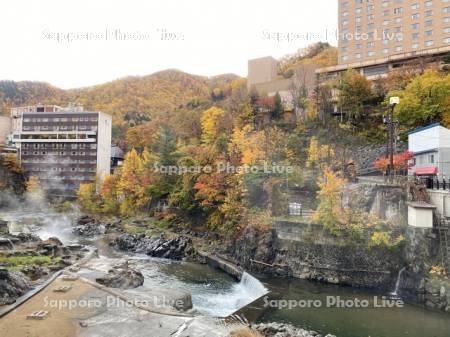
(26, 260)
(284, 330)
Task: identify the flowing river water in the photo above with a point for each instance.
(215, 293)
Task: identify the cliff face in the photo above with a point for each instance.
(290, 249)
(293, 249)
(12, 179)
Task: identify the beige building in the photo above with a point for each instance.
(378, 35)
(264, 79)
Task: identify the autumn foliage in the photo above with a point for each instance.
(402, 161)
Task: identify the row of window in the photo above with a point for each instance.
(60, 153)
(415, 45)
(55, 177)
(59, 119)
(56, 136)
(59, 146)
(358, 33)
(397, 20)
(386, 4)
(62, 169)
(53, 161)
(387, 38)
(397, 49)
(428, 159)
(61, 128)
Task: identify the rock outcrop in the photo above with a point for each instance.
(88, 226)
(284, 330)
(12, 285)
(175, 249)
(4, 227)
(287, 251)
(52, 246)
(122, 276)
(90, 229)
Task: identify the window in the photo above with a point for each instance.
(429, 43)
(431, 158)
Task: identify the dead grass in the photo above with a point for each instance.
(245, 332)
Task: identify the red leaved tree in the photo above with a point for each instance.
(402, 161)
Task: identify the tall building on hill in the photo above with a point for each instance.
(378, 36)
(63, 147)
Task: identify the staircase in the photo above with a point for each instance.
(443, 232)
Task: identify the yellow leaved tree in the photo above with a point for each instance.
(330, 212)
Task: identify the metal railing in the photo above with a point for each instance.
(433, 183)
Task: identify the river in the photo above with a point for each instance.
(217, 294)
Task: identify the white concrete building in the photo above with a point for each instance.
(63, 147)
(431, 148)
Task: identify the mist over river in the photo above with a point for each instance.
(215, 293)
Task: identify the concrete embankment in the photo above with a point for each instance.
(222, 264)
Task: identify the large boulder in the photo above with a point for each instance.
(122, 276)
(175, 249)
(89, 229)
(12, 285)
(4, 227)
(52, 246)
(6, 244)
(85, 219)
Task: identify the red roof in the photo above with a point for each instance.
(428, 170)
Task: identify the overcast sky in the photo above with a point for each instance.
(75, 43)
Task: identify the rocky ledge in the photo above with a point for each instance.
(175, 249)
(12, 285)
(284, 330)
(88, 226)
(122, 276)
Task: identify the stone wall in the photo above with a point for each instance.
(307, 252)
(385, 201)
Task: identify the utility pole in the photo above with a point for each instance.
(391, 130)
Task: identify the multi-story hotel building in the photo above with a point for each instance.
(376, 36)
(63, 147)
